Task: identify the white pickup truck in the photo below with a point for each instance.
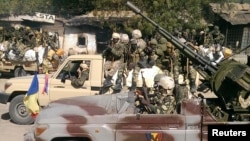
(16, 88)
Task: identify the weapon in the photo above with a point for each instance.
(228, 81)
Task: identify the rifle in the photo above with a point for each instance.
(145, 94)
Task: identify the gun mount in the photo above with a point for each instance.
(230, 80)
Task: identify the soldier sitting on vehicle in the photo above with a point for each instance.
(82, 76)
(163, 100)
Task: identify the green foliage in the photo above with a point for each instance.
(169, 14)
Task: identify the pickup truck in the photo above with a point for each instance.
(114, 118)
(16, 88)
(18, 68)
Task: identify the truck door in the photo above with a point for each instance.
(151, 127)
(61, 87)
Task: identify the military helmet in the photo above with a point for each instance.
(115, 35)
(216, 27)
(153, 42)
(27, 28)
(167, 82)
(124, 38)
(136, 34)
(84, 66)
(163, 41)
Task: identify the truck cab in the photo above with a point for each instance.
(58, 86)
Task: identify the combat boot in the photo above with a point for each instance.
(118, 85)
(192, 86)
(107, 82)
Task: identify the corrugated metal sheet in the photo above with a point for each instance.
(234, 13)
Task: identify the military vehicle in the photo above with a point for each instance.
(59, 86)
(115, 117)
(18, 68)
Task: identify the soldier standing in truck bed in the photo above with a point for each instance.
(139, 54)
(114, 55)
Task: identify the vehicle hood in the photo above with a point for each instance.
(86, 109)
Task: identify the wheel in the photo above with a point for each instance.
(19, 72)
(18, 112)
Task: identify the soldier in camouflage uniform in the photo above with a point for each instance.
(139, 55)
(163, 101)
(114, 59)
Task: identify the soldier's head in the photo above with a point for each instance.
(163, 82)
(27, 28)
(124, 38)
(153, 43)
(163, 41)
(136, 34)
(170, 47)
(216, 28)
(115, 37)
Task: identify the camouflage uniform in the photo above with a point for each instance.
(83, 74)
(163, 101)
(114, 59)
(139, 55)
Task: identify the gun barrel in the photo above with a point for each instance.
(187, 51)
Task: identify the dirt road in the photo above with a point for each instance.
(10, 131)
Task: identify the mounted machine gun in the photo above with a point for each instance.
(230, 80)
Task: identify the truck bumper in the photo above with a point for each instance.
(4, 97)
(29, 136)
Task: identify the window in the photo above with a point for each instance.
(81, 41)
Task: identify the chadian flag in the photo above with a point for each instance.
(45, 88)
(30, 99)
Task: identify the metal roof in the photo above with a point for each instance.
(234, 13)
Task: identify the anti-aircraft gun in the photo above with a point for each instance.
(230, 80)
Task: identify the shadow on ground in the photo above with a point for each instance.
(5, 116)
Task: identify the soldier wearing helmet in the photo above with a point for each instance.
(163, 100)
(138, 45)
(83, 74)
(114, 55)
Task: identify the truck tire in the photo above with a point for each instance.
(18, 112)
(19, 72)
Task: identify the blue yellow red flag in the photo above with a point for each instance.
(30, 99)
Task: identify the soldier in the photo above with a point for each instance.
(139, 45)
(163, 101)
(82, 75)
(218, 37)
(114, 59)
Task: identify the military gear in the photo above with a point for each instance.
(136, 34)
(153, 42)
(124, 38)
(108, 82)
(163, 41)
(118, 85)
(83, 75)
(115, 35)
